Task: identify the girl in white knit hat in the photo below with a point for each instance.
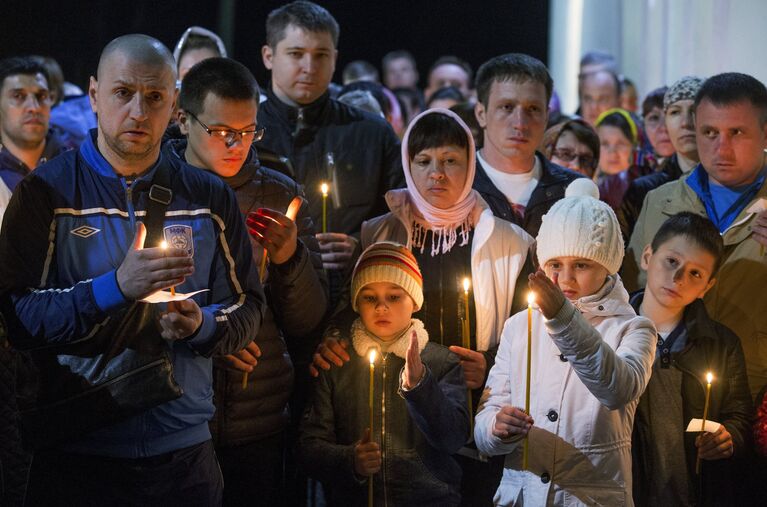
(591, 360)
(420, 415)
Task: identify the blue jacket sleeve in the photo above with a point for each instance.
(438, 406)
(37, 313)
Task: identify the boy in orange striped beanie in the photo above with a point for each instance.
(419, 414)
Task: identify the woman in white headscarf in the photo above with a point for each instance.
(454, 235)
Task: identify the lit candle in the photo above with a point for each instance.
(372, 358)
(709, 378)
(530, 301)
(164, 246)
(466, 330)
(324, 190)
(466, 342)
(291, 213)
(262, 266)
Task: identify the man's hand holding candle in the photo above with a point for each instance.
(146, 270)
(244, 360)
(274, 231)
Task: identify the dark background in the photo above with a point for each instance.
(75, 32)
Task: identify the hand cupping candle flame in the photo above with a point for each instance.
(162, 296)
(291, 213)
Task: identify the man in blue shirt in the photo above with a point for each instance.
(76, 265)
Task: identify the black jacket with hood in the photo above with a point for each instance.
(296, 294)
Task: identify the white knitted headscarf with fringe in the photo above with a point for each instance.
(446, 224)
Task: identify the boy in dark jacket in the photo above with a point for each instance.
(218, 105)
(418, 413)
(681, 263)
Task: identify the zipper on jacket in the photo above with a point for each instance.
(300, 125)
(128, 185)
(383, 427)
(441, 302)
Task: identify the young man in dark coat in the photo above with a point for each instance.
(355, 152)
(217, 113)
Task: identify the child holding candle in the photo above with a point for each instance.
(419, 398)
(681, 263)
(590, 362)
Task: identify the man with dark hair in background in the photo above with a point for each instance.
(449, 71)
(598, 91)
(359, 70)
(25, 111)
(399, 70)
(354, 152)
(217, 114)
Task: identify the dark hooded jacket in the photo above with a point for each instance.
(296, 302)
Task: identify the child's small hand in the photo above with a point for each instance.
(474, 366)
(367, 456)
(413, 366)
(717, 445)
(547, 294)
(511, 421)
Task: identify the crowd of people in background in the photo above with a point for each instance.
(215, 291)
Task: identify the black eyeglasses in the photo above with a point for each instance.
(570, 155)
(230, 136)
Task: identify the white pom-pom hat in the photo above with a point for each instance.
(580, 225)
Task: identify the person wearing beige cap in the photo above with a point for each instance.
(591, 358)
(419, 412)
(678, 113)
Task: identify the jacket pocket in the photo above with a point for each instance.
(411, 482)
(594, 495)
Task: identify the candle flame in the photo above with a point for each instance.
(709, 377)
(324, 189)
(530, 298)
(466, 284)
(163, 244)
(293, 208)
(372, 356)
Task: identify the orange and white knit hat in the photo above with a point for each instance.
(388, 262)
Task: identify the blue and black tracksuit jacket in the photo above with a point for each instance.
(67, 230)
